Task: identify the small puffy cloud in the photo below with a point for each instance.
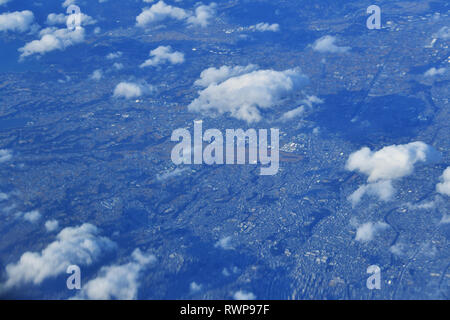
(114, 55)
(3, 196)
(118, 281)
(159, 12)
(367, 231)
(243, 295)
(51, 225)
(19, 21)
(2, 2)
(5, 155)
(294, 113)
(194, 287)
(383, 190)
(32, 216)
(434, 72)
(327, 44)
(74, 245)
(130, 90)
(444, 186)
(53, 39)
(263, 26)
(299, 111)
(392, 162)
(243, 96)
(216, 75)
(224, 243)
(202, 16)
(163, 54)
(96, 75)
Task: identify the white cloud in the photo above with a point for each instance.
(3, 196)
(96, 75)
(444, 186)
(194, 287)
(243, 295)
(51, 225)
(131, 90)
(5, 155)
(381, 189)
(114, 55)
(434, 72)
(159, 12)
(243, 96)
(327, 44)
(74, 245)
(117, 281)
(53, 39)
(216, 75)
(225, 243)
(367, 231)
(389, 163)
(32, 216)
(297, 112)
(202, 16)
(2, 2)
(163, 54)
(263, 26)
(19, 21)
(392, 162)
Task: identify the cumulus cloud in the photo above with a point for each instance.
(96, 75)
(32, 216)
(216, 75)
(161, 11)
(19, 21)
(202, 16)
(118, 281)
(367, 231)
(383, 190)
(5, 155)
(444, 186)
(194, 287)
(131, 90)
(51, 225)
(243, 295)
(389, 163)
(243, 96)
(299, 111)
(53, 39)
(163, 54)
(263, 26)
(434, 72)
(327, 44)
(74, 245)
(114, 55)
(392, 162)
(225, 243)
